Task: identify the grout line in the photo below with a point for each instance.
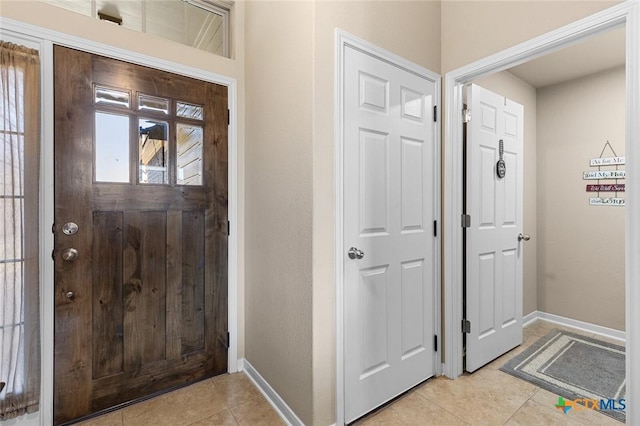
(523, 404)
(441, 407)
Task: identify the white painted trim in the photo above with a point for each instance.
(241, 364)
(627, 13)
(632, 220)
(45, 38)
(529, 318)
(278, 404)
(343, 40)
(577, 324)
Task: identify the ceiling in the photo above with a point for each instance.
(597, 53)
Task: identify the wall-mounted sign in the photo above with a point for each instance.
(598, 201)
(604, 174)
(606, 161)
(606, 188)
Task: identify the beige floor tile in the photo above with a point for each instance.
(257, 412)
(541, 327)
(223, 418)
(499, 362)
(111, 419)
(538, 328)
(236, 388)
(412, 409)
(181, 407)
(533, 414)
(486, 397)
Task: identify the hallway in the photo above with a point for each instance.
(486, 397)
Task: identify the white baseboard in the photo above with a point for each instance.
(278, 404)
(580, 325)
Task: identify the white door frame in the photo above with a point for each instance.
(344, 40)
(45, 38)
(625, 13)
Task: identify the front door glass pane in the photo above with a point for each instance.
(112, 147)
(186, 110)
(153, 153)
(151, 103)
(189, 154)
(107, 96)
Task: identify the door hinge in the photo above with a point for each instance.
(435, 228)
(466, 326)
(435, 343)
(228, 228)
(228, 117)
(466, 221)
(228, 340)
(435, 113)
(466, 115)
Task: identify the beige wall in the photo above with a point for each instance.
(289, 244)
(581, 269)
(290, 106)
(509, 86)
(472, 30)
(279, 195)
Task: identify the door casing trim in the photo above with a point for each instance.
(342, 41)
(45, 39)
(626, 13)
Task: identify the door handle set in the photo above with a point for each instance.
(355, 253)
(525, 237)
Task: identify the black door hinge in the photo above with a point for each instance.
(228, 228)
(435, 228)
(228, 117)
(435, 343)
(466, 326)
(228, 340)
(435, 113)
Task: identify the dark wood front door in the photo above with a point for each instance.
(141, 281)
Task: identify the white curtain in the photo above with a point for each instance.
(19, 295)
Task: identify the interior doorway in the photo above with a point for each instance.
(618, 15)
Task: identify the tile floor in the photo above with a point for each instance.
(486, 397)
(227, 400)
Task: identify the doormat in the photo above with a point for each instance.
(577, 368)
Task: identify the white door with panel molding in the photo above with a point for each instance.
(494, 237)
(390, 188)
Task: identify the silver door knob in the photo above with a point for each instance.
(69, 254)
(525, 237)
(69, 228)
(70, 295)
(355, 253)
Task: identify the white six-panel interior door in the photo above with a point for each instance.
(390, 189)
(494, 250)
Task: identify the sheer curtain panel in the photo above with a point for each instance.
(19, 292)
